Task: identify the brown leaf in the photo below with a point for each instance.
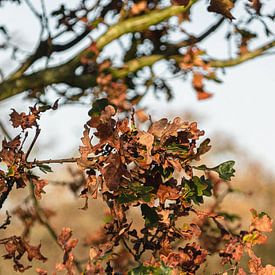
(173, 128)
(113, 172)
(167, 193)
(176, 164)
(141, 115)
(222, 7)
(158, 127)
(38, 187)
(147, 140)
(86, 149)
(9, 152)
(241, 271)
(41, 271)
(16, 247)
(261, 222)
(139, 7)
(34, 252)
(198, 85)
(267, 270)
(23, 120)
(256, 5)
(238, 252)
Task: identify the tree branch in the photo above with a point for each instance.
(65, 73)
(46, 48)
(260, 51)
(6, 222)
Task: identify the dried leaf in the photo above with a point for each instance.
(147, 140)
(261, 222)
(222, 7)
(167, 193)
(256, 5)
(38, 187)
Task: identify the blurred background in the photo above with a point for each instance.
(239, 120)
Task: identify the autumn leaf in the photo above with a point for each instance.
(256, 5)
(139, 7)
(157, 128)
(23, 120)
(261, 221)
(86, 149)
(113, 172)
(141, 115)
(33, 252)
(147, 140)
(41, 271)
(198, 85)
(39, 184)
(166, 192)
(222, 7)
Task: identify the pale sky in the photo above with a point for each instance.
(243, 107)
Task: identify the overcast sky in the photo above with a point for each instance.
(243, 107)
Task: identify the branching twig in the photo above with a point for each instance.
(6, 222)
(37, 132)
(44, 221)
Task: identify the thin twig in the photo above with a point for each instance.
(45, 18)
(53, 161)
(130, 250)
(6, 222)
(4, 130)
(44, 221)
(37, 132)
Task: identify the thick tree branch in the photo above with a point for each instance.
(46, 48)
(135, 24)
(260, 51)
(65, 73)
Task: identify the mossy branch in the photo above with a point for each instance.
(65, 73)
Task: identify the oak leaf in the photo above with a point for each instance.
(222, 7)
(167, 193)
(261, 222)
(147, 140)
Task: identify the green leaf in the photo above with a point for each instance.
(45, 168)
(229, 217)
(201, 186)
(98, 106)
(196, 188)
(126, 198)
(135, 192)
(150, 215)
(225, 169)
(144, 270)
(204, 147)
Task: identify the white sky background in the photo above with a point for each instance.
(243, 107)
